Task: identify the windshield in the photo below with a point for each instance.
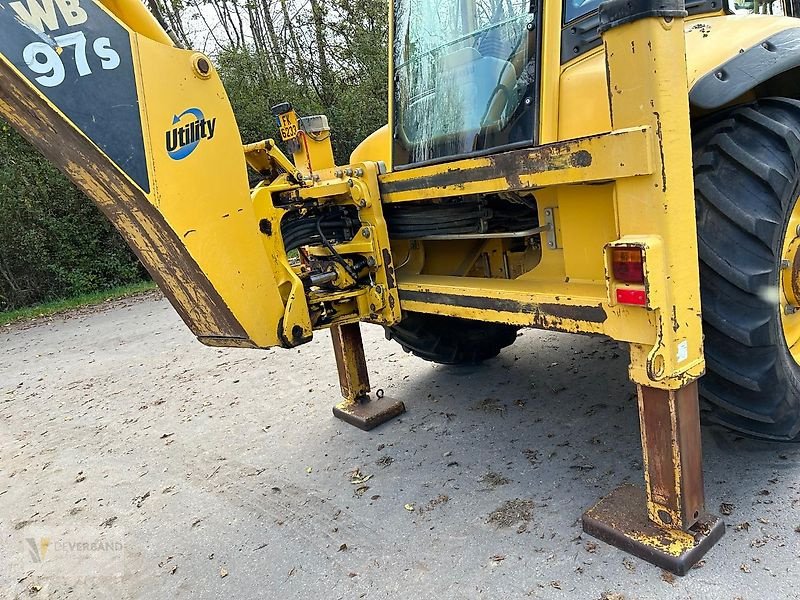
(464, 75)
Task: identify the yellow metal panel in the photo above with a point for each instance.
(619, 154)
(140, 20)
(588, 222)
(550, 71)
(710, 41)
(205, 197)
(561, 306)
(708, 45)
(658, 211)
(376, 148)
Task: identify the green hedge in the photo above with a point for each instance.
(54, 243)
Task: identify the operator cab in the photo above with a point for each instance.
(464, 78)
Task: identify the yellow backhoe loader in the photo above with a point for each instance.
(628, 169)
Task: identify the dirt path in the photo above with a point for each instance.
(209, 473)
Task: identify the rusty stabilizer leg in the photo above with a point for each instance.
(358, 408)
(665, 523)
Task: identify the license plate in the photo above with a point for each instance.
(287, 125)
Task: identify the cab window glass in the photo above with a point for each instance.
(464, 74)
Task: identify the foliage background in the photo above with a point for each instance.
(325, 56)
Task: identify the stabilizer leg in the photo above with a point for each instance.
(358, 408)
(666, 523)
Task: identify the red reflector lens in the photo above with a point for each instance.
(626, 263)
(626, 296)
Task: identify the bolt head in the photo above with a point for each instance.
(365, 232)
(785, 264)
(789, 309)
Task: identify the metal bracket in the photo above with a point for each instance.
(550, 227)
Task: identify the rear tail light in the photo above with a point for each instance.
(627, 265)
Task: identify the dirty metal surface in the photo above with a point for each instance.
(618, 154)
(670, 422)
(620, 519)
(547, 316)
(351, 364)
(367, 413)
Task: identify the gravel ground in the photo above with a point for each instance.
(210, 473)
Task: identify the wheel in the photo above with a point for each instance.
(449, 340)
(746, 171)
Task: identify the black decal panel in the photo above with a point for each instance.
(80, 58)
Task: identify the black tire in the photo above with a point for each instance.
(746, 171)
(449, 340)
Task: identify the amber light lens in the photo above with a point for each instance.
(627, 265)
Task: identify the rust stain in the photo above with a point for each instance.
(660, 136)
(510, 166)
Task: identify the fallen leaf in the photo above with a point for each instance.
(628, 564)
(668, 577)
(343, 548)
(359, 478)
(498, 558)
(409, 507)
(223, 572)
(591, 547)
(726, 508)
(742, 526)
(744, 568)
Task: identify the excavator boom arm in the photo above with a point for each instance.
(101, 90)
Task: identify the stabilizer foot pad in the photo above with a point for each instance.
(368, 413)
(620, 519)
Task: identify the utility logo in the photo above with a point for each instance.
(189, 129)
